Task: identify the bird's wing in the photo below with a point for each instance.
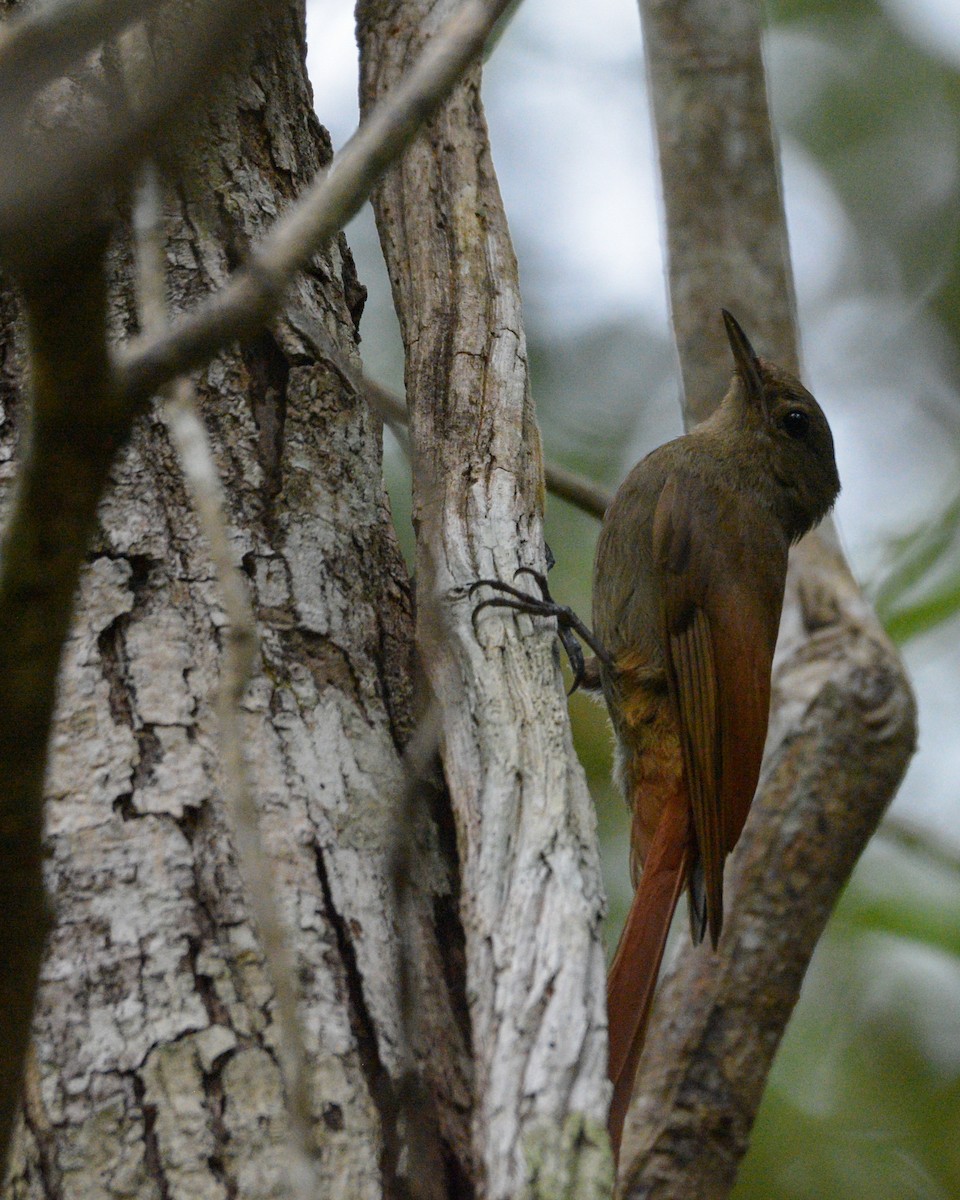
(719, 648)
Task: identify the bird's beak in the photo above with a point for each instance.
(747, 363)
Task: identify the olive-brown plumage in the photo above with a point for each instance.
(688, 587)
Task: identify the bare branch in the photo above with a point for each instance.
(190, 438)
(257, 291)
(583, 493)
(726, 237)
(843, 725)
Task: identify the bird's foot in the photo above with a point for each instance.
(569, 625)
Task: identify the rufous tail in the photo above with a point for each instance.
(636, 964)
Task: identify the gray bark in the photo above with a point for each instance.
(532, 896)
(155, 1067)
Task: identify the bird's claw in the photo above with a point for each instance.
(569, 625)
(574, 656)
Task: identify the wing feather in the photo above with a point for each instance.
(719, 634)
(691, 665)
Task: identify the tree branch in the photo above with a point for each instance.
(843, 725)
(725, 229)
(195, 453)
(577, 490)
(531, 896)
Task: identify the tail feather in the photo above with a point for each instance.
(636, 964)
(697, 896)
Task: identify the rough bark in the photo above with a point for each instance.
(531, 898)
(844, 723)
(155, 1068)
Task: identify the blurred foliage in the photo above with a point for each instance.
(921, 586)
(864, 1098)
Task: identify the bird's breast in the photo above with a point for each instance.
(648, 763)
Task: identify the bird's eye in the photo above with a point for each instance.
(795, 423)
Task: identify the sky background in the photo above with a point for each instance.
(866, 100)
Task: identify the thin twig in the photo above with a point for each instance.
(192, 444)
(256, 292)
(577, 490)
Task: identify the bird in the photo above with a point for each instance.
(688, 586)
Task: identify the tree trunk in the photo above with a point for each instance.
(532, 895)
(155, 1070)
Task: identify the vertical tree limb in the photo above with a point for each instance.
(76, 421)
(843, 726)
(725, 228)
(531, 896)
